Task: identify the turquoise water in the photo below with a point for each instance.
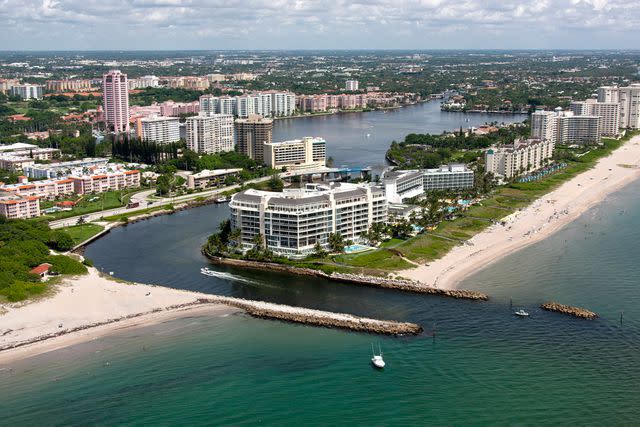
(485, 366)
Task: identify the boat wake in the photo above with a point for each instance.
(228, 276)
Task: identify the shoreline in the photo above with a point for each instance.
(542, 218)
(84, 308)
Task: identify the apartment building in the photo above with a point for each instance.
(62, 169)
(109, 181)
(68, 85)
(608, 112)
(292, 222)
(520, 157)
(266, 104)
(251, 135)
(162, 130)
(28, 91)
(297, 154)
(143, 82)
(628, 98)
(563, 127)
(210, 133)
(351, 85)
(115, 100)
(44, 189)
(14, 157)
(16, 207)
(175, 109)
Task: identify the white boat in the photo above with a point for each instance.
(521, 313)
(222, 200)
(377, 360)
(207, 272)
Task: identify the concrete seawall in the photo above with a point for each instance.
(356, 279)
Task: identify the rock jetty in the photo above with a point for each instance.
(325, 319)
(567, 309)
(357, 279)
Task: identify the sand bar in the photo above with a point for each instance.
(535, 222)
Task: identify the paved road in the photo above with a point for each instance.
(143, 197)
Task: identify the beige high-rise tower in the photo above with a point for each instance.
(251, 135)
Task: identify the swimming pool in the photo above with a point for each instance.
(352, 249)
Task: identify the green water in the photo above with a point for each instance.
(485, 366)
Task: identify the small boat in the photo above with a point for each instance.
(207, 272)
(521, 313)
(368, 135)
(222, 200)
(377, 360)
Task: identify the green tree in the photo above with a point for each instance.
(336, 242)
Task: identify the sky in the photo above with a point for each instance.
(318, 24)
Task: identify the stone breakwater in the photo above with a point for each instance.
(567, 309)
(325, 319)
(357, 279)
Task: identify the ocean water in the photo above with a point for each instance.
(484, 365)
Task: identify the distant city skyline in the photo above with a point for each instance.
(320, 24)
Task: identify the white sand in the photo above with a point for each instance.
(84, 301)
(535, 222)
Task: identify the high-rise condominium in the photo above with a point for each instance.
(210, 133)
(629, 100)
(115, 97)
(252, 134)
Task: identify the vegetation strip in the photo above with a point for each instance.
(567, 309)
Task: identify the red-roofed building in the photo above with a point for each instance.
(42, 270)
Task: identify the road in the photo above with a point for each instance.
(143, 198)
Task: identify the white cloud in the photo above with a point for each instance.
(314, 23)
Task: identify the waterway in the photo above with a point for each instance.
(361, 139)
(484, 366)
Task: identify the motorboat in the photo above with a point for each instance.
(222, 199)
(521, 313)
(207, 272)
(377, 360)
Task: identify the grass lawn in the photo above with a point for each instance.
(378, 259)
(123, 216)
(80, 233)
(108, 200)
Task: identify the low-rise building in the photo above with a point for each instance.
(520, 157)
(109, 181)
(17, 207)
(62, 169)
(44, 189)
(294, 221)
(210, 178)
(297, 154)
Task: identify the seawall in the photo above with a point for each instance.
(356, 279)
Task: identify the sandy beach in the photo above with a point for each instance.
(535, 222)
(87, 307)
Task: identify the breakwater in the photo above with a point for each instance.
(569, 310)
(357, 279)
(327, 319)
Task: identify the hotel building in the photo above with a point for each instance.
(115, 98)
(454, 176)
(162, 130)
(16, 207)
(251, 135)
(297, 154)
(292, 222)
(210, 133)
(520, 157)
(628, 98)
(402, 185)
